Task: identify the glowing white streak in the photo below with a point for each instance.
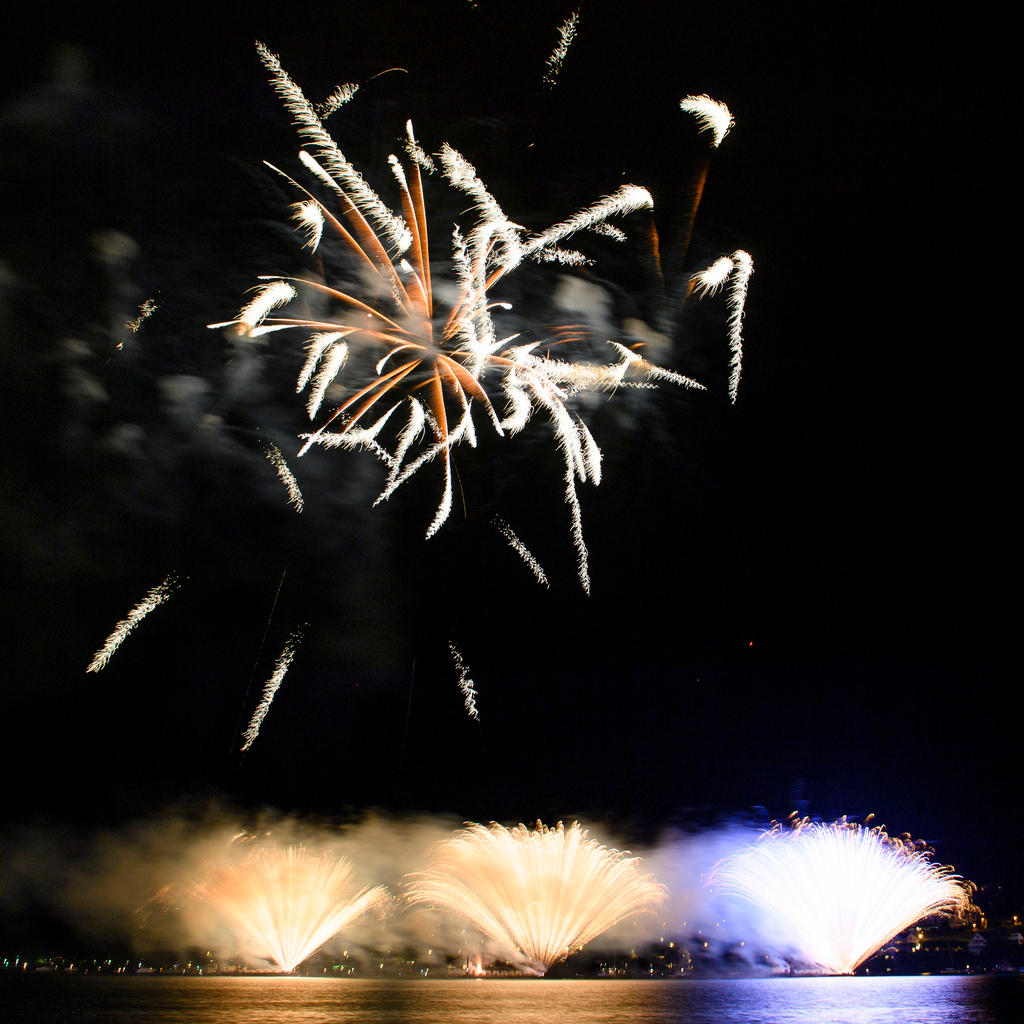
(286, 476)
(308, 216)
(310, 127)
(522, 550)
(412, 430)
(268, 297)
(315, 348)
(609, 231)
(341, 95)
(737, 270)
(637, 364)
(576, 527)
(838, 892)
(711, 116)
(566, 34)
(744, 267)
(519, 406)
(567, 257)
(333, 364)
(465, 683)
(710, 280)
(462, 174)
(452, 439)
(352, 439)
(416, 152)
(283, 903)
(153, 599)
(628, 199)
(270, 688)
(541, 893)
(591, 453)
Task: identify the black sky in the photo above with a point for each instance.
(798, 601)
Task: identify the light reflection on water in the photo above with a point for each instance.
(913, 1000)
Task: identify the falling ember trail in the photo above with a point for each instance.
(737, 270)
(541, 893)
(154, 598)
(286, 476)
(465, 683)
(146, 310)
(566, 34)
(839, 891)
(270, 688)
(522, 550)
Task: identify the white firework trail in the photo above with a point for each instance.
(743, 268)
(267, 298)
(308, 216)
(465, 683)
(522, 550)
(286, 476)
(341, 95)
(566, 34)
(154, 598)
(270, 688)
(710, 280)
(326, 149)
(712, 116)
(736, 270)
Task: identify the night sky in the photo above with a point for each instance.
(799, 602)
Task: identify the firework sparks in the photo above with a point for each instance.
(146, 310)
(342, 95)
(737, 270)
(522, 551)
(433, 369)
(152, 600)
(566, 34)
(542, 893)
(270, 688)
(840, 891)
(712, 116)
(286, 476)
(465, 683)
(284, 903)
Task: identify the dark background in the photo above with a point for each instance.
(800, 602)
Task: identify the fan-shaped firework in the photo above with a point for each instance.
(838, 891)
(283, 903)
(540, 893)
(431, 365)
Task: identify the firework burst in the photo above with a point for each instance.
(283, 903)
(427, 369)
(839, 891)
(541, 893)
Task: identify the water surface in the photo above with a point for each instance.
(74, 999)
